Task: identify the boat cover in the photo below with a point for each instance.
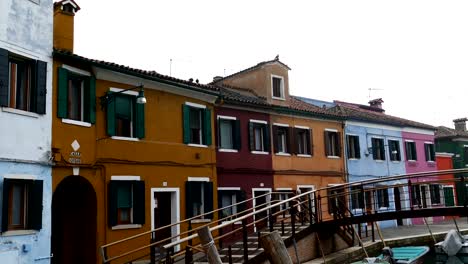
(452, 243)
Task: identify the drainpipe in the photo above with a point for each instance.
(345, 158)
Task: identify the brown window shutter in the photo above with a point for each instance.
(292, 140)
(275, 138)
(327, 143)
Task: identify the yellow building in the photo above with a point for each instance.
(123, 167)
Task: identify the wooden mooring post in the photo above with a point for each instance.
(275, 249)
(209, 246)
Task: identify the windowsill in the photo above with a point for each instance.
(383, 208)
(412, 161)
(333, 157)
(353, 159)
(19, 232)
(431, 161)
(125, 138)
(20, 112)
(75, 122)
(283, 154)
(227, 150)
(278, 98)
(259, 152)
(199, 221)
(396, 161)
(236, 223)
(379, 161)
(129, 226)
(197, 145)
(304, 155)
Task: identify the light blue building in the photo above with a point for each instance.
(26, 29)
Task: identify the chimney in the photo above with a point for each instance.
(377, 103)
(217, 78)
(64, 14)
(460, 124)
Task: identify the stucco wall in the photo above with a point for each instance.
(421, 164)
(39, 242)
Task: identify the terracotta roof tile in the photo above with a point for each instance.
(445, 132)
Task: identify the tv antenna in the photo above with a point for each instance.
(373, 89)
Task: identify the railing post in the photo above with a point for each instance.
(373, 234)
(104, 254)
(463, 187)
(282, 223)
(410, 194)
(230, 254)
(292, 212)
(270, 219)
(318, 209)
(168, 256)
(359, 230)
(309, 204)
(153, 248)
(188, 250)
(244, 240)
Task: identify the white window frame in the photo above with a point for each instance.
(229, 118)
(406, 150)
(126, 178)
(282, 92)
(433, 147)
(131, 138)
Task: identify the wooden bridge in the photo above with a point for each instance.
(347, 211)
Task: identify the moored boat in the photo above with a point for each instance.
(454, 244)
(399, 255)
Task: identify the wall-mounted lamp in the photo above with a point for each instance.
(141, 99)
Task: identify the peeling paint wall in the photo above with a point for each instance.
(26, 30)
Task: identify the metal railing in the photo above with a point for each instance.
(340, 202)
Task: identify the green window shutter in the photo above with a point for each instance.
(62, 93)
(139, 202)
(34, 214)
(140, 120)
(112, 200)
(111, 116)
(4, 77)
(92, 99)
(186, 123)
(208, 199)
(237, 134)
(41, 87)
(448, 195)
(266, 136)
(190, 197)
(252, 136)
(6, 187)
(207, 127)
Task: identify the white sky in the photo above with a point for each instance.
(414, 52)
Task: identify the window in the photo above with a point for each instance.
(228, 133)
(336, 200)
(448, 196)
(277, 87)
(411, 151)
(284, 195)
(226, 198)
(435, 193)
(125, 118)
(199, 199)
(357, 198)
(22, 204)
(282, 139)
(382, 198)
(76, 97)
(303, 141)
(259, 137)
(394, 150)
(378, 149)
(416, 195)
(465, 154)
(354, 151)
(332, 143)
(22, 82)
(126, 202)
(429, 150)
(197, 124)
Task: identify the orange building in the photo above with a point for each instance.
(123, 167)
(306, 140)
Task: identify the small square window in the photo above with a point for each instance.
(394, 150)
(303, 138)
(282, 139)
(429, 150)
(277, 84)
(227, 198)
(199, 197)
(126, 202)
(357, 198)
(411, 151)
(196, 125)
(382, 198)
(378, 149)
(435, 193)
(353, 147)
(228, 133)
(332, 144)
(259, 137)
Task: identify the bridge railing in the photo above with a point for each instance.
(347, 200)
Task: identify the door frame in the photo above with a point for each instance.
(253, 202)
(175, 204)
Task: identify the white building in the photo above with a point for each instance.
(26, 29)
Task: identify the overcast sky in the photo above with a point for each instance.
(413, 54)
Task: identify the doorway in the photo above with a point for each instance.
(166, 210)
(262, 200)
(74, 227)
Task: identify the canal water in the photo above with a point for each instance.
(430, 258)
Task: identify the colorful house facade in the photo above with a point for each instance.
(299, 144)
(25, 137)
(454, 142)
(133, 151)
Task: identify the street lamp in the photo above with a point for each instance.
(141, 99)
